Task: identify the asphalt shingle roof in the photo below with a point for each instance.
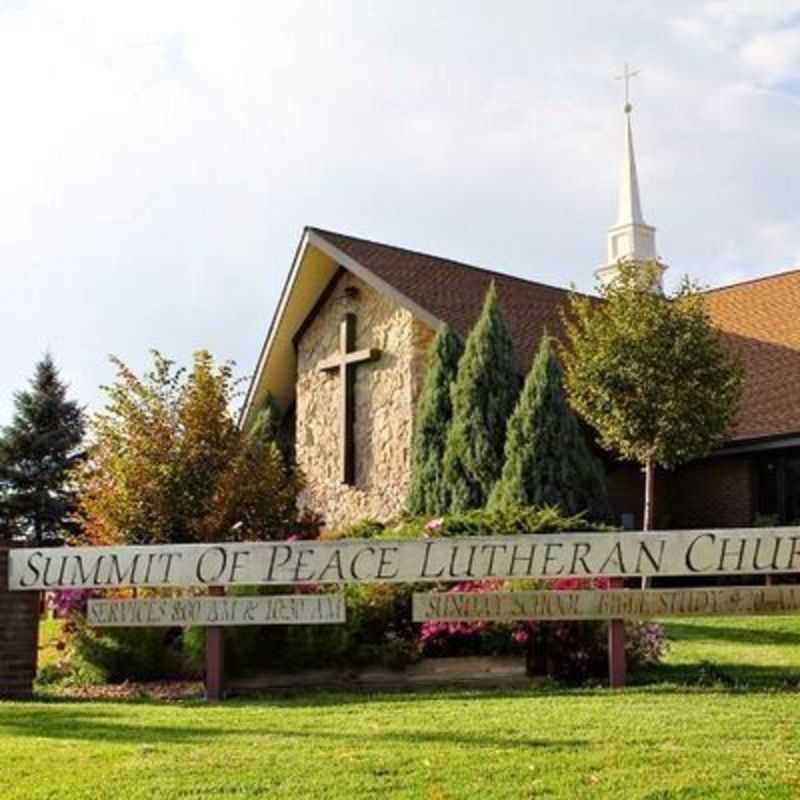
(759, 319)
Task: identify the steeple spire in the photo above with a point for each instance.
(630, 206)
(630, 239)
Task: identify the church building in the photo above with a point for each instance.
(345, 356)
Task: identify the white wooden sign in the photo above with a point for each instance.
(299, 609)
(700, 553)
(597, 604)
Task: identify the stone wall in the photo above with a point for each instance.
(19, 636)
(385, 397)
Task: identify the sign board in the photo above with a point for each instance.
(699, 553)
(300, 609)
(597, 604)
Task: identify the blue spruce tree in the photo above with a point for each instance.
(547, 459)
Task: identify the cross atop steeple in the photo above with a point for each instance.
(626, 76)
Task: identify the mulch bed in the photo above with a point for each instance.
(165, 690)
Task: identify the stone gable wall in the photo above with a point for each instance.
(386, 392)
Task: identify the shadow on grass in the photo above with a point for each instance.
(722, 633)
(47, 722)
(434, 737)
(752, 678)
(70, 724)
(689, 680)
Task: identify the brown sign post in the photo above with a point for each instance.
(215, 655)
(617, 666)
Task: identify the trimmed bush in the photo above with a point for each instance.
(512, 521)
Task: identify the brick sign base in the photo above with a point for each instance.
(19, 636)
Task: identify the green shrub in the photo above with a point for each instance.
(512, 520)
(506, 521)
(133, 654)
(766, 521)
(364, 529)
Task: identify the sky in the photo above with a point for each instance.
(158, 160)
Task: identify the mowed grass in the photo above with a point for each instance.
(722, 720)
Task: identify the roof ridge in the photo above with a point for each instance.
(745, 281)
(486, 270)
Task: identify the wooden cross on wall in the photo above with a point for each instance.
(345, 363)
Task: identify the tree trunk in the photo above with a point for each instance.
(649, 502)
(649, 494)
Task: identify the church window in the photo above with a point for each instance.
(778, 487)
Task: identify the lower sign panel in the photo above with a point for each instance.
(634, 604)
(299, 609)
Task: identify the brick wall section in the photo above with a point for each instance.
(625, 483)
(19, 636)
(715, 492)
(625, 491)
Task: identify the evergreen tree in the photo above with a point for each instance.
(269, 425)
(434, 413)
(547, 459)
(37, 452)
(484, 394)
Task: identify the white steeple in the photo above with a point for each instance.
(630, 238)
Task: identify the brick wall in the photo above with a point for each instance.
(715, 492)
(625, 483)
(19, 636)
(712, 493)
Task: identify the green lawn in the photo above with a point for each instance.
(729, 727)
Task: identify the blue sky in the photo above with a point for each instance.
(158, 160)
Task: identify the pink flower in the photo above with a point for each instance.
(521, 636)
(434, 525)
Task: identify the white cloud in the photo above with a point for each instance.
(774, 55)
(780, 241)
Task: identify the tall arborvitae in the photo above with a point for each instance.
(547, 459)
(483, 398)
(37, 452)
(434, 413)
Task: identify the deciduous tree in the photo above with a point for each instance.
(650, 373)
(168, 463)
